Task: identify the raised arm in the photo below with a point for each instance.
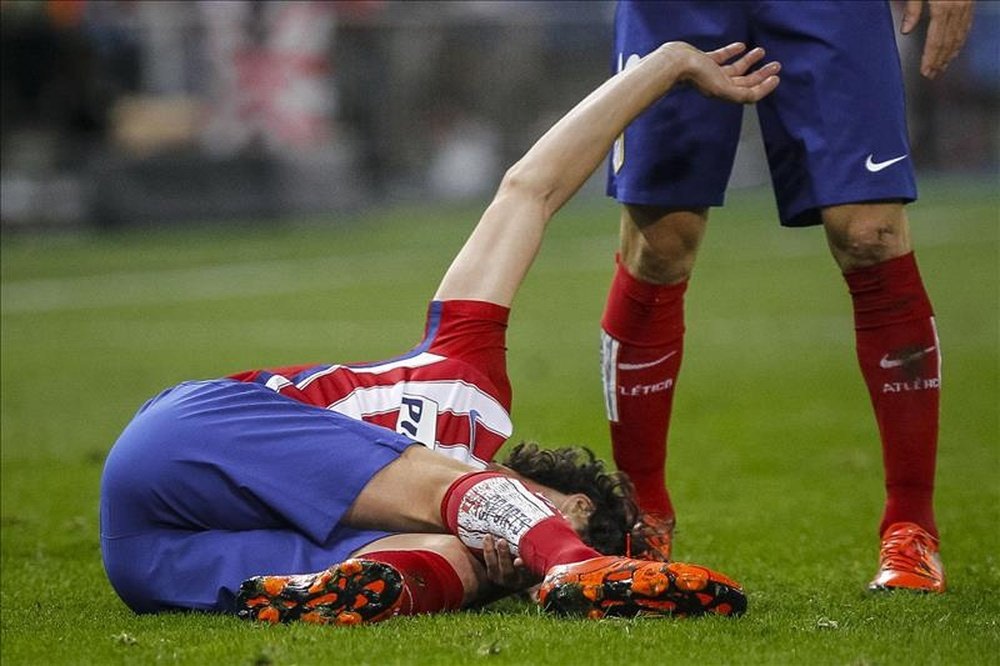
(494, 260)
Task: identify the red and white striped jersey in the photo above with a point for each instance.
(450, 393)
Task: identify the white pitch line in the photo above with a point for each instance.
(141, 288)
(186, 284)
(180, 285)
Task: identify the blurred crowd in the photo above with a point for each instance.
(131, 111)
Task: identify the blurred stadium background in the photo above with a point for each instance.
(119, 113)
(363, 138)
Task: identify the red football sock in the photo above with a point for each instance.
(642, 344)
(900, 359)
(430, 583)
(481, 503)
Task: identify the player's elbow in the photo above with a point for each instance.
(528, 183)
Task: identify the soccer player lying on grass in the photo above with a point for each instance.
(252, 478)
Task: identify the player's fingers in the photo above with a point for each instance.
(946, 33)
(506, 564)
(935, 57)
(727, 52)
(911, 15)
(761, 90)
(749, 59)
(490, 559)
(766, 87)
(936, 47)
(758, 75)
(503, 554)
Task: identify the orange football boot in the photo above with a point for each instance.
(652, 538)
(353, 592)
(623, 587)
(909, 560)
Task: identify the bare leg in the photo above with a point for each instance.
(866, 234)
(405, 496)
(660, 245)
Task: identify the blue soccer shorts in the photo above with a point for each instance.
(834, 130)
(213, 482)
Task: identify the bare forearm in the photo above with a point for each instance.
(495, 259)
(562, 160)
(503, 246)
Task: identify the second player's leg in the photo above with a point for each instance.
(900, 358)
(667, 168)
(642, 345)
(837, 145)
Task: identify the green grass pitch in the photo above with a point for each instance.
(774, 464)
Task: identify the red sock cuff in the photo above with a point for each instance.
(553, 541)
(891, 292)
(429, 579)
(641, 313)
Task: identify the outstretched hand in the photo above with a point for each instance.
(713, 77)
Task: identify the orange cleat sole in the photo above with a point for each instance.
(623, 587)
(352, 592)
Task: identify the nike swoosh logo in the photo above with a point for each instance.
(875, 167)
(888, 363)
(640, 366)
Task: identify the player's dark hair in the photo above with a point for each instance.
(577, 470)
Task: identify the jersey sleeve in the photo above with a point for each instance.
(474, 332)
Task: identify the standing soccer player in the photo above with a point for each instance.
(323, 489)
(836, 142)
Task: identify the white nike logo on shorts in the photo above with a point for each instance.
(875, 167)
(641, 366)
(888, 363)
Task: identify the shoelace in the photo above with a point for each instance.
(908, 550)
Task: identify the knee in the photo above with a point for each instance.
(862, 235)
(649, 264)
(660, 245)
